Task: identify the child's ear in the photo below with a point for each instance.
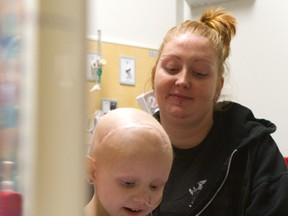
(91, 169)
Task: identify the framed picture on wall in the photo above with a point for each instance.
(127, 70)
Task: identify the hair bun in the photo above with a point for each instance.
(222, 22)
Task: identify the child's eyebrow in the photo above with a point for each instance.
(127, 179)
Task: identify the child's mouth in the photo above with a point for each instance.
(133, 211)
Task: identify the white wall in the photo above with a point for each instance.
(258, 64)
(133, 22)
(92, 17)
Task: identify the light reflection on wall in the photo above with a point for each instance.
(10, 89)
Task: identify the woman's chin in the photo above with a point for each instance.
(178, 112)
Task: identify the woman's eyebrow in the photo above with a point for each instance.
(169, 56)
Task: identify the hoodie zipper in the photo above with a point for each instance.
(220, 187)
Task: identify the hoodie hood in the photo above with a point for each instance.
(243, 126)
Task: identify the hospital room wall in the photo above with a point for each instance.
(257, 66)
(125, 95)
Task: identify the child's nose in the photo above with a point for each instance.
(142, 197)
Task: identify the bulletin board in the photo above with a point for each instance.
(111, 87)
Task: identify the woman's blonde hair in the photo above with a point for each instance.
(215, 25)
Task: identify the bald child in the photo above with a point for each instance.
(129, 163)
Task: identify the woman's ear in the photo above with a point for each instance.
(219, 87)
(91, 169)
(220, 84)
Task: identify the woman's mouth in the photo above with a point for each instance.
(179, 97)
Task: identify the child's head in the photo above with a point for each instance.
(129, 162)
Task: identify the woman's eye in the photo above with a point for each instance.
(199, 74)
(171, 66)
(172, 69)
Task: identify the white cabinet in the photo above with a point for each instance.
(201, 3)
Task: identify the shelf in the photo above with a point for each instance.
(202, 3)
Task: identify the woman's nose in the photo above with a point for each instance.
(183, 79)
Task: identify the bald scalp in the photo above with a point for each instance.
(128, 129)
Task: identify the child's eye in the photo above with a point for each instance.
(127, 183)
(153, 187)
(156, 187)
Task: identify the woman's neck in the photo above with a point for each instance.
(184, 134)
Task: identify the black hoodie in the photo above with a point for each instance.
(236, 170)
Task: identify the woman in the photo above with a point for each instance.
(226, 162)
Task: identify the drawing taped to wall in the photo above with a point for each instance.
(127, 70)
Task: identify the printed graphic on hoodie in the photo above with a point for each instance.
(195, 191)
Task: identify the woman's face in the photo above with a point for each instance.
(185, 79)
